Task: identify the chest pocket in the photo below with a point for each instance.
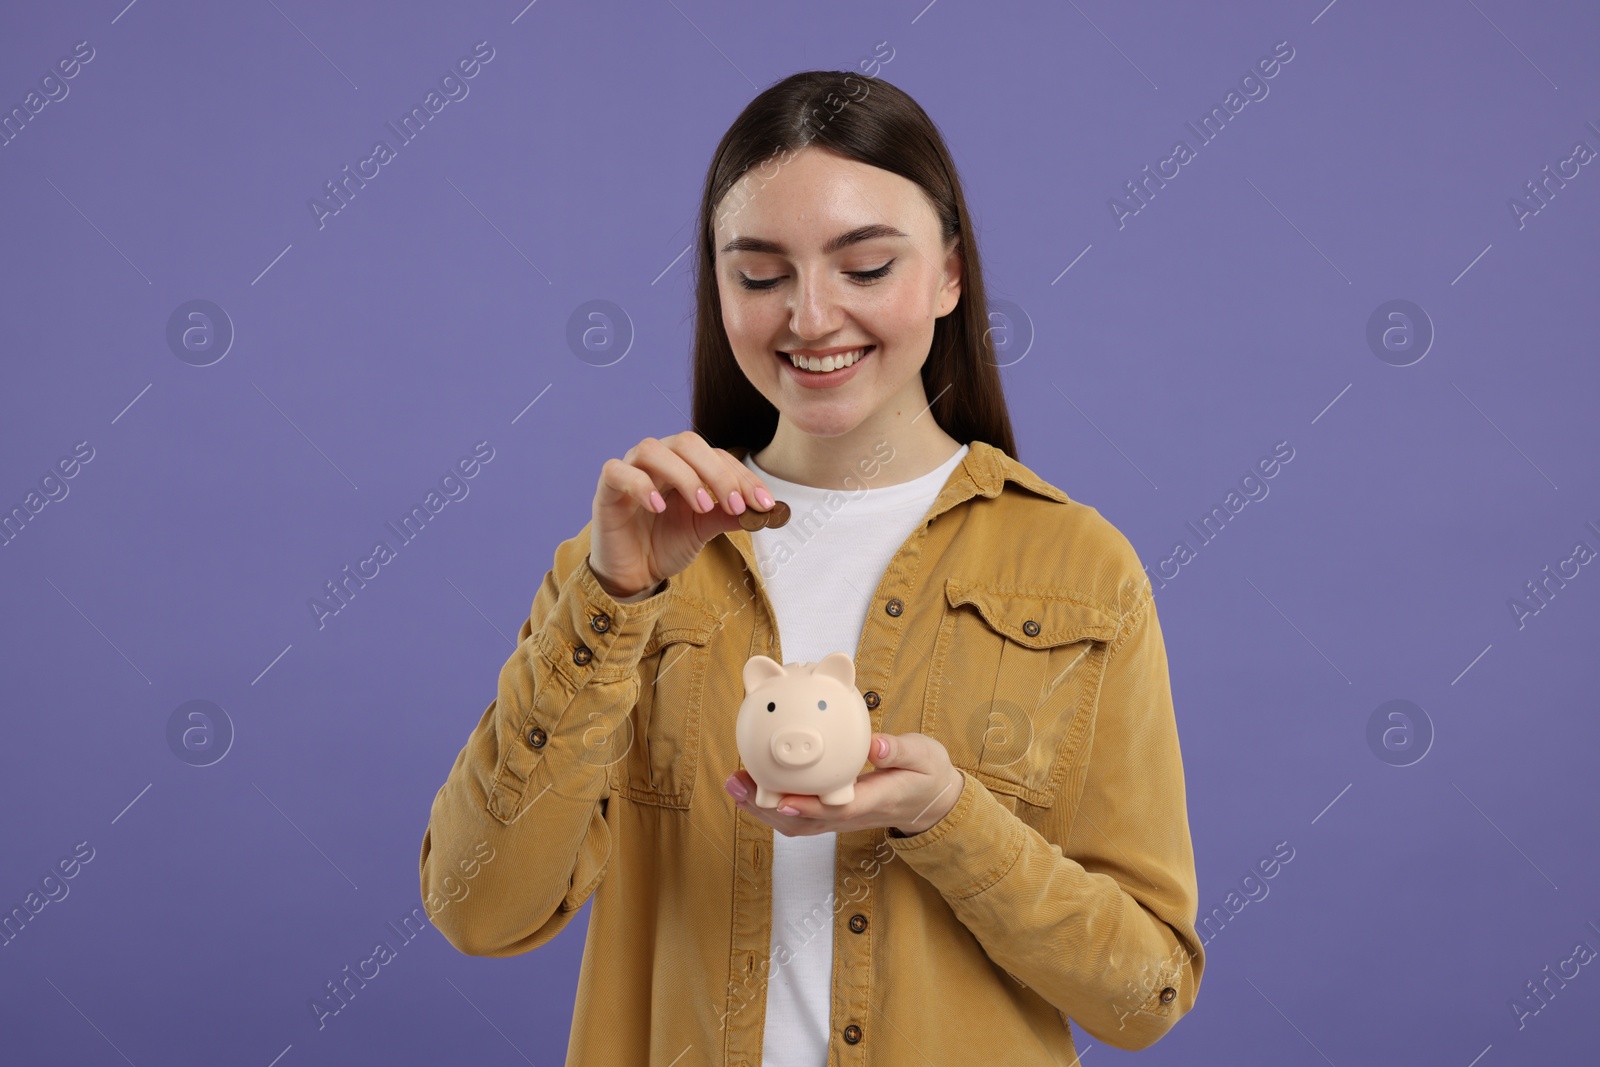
(661, 750)
(1014, 682)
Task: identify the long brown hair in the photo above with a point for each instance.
(873, 122)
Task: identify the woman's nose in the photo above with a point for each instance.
(814, 312)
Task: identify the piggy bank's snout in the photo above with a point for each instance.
(797, 747)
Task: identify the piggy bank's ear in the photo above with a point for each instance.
(837, 665)
(758, 670)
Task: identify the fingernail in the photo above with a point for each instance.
(764, 498)
(704, 498)
(657, 502)
(883, 747)
(736, 502)
(737, 788)
(789, 809)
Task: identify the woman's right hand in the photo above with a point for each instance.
(652, 516)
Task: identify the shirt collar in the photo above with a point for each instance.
(982, 472)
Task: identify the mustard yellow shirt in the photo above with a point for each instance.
(1017, 627)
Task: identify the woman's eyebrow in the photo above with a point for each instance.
(850, 237)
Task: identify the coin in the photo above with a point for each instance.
(753, 520)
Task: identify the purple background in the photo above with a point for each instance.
(373, 352)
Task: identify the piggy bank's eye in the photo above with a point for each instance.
(822, 705)
(771, 706)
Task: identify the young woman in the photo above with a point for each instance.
(1017, 857)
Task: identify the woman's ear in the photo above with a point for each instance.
(950, 289)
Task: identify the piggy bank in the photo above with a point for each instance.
(803, 728)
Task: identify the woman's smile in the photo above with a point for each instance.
(832, 370)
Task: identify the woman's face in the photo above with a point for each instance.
(832, 255)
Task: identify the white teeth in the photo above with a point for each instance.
(827, 363)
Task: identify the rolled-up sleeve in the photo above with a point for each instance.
(1092, 905)
(517, 838)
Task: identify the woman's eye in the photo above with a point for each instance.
(865, 277)
(872, 275)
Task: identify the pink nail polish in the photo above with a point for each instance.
(789, 809)
(736, 502)
(764, 498)
(704, 498)
(657, 502)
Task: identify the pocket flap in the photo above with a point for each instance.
(1034, 618)
(683, 617)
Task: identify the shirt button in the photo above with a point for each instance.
(1167, 994)
(852, 1033)
(536, 737)
(858, 923)
(1030, 628)
(600, 623)
(894, 606)
(871, 697)
(581, 655)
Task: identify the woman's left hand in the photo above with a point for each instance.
(913, 786)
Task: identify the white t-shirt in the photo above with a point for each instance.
(821, 570)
